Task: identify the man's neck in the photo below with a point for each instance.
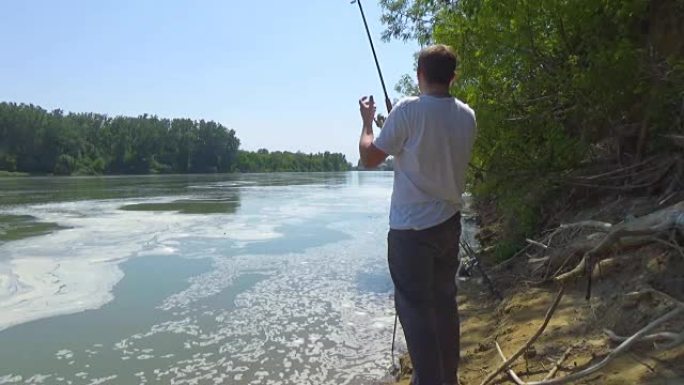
(437, 92)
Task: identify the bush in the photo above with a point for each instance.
(65, 165)
(8, 162)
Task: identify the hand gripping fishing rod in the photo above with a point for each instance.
(388, 103)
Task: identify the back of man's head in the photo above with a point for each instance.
(437, 63)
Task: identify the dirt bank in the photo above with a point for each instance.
(576, 323)
(641, 283)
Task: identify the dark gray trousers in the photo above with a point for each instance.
(423, 266)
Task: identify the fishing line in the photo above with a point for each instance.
(388, 104)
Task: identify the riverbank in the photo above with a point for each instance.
(638, 281)
(13, 174)
(575, 328)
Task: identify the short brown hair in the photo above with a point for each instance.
(437, 63)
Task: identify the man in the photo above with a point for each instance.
(431, 138)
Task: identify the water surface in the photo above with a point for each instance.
(221, 279)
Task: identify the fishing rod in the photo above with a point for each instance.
(388, 103)
(395, 368)
(475, 262)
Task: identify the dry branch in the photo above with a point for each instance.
(549, 376)
(673, 343)
(598, 225)
(510, 371)
(623, 347)
(668, 297)
(562, 358)
(532, 339)
(640, 175)
(672, 244)
(649, 225)
(533, 242)
(669, 337)
(616, 172)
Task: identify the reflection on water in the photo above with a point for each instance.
(189, 206)
(50, 189)
(281, 280)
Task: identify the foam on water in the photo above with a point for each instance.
(304, 322)
(75, 269)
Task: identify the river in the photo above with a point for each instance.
(206, 279)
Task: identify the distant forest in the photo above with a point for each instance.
(34, 140)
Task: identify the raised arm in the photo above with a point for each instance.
(371, 156)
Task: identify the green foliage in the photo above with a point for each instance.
(8, 162)
(278, 161)
(65, 165)
(553, 83)
(407, 86)
(411, 19)
(34, 140)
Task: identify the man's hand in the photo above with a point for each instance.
(370, 155)
(367, 108)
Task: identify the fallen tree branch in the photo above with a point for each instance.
(660, 221)
(668, 336)
(623, 347)
(618, 171)
(549, 314)
(598, 225)
(562, 358)
(533, 242)
(672, 245)
(510, 371)
(641, 175)
(511, 259)
(549, 376)
(676, 341)
(650, 289)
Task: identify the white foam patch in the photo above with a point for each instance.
(43, 287)
(75, 269)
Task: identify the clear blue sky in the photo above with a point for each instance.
(286, 75)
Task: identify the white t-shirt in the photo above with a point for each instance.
(431, 139)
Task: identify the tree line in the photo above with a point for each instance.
(283, 161)
(34, 140)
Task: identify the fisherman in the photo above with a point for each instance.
(431, 138)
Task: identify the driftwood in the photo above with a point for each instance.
(659, 222)
(589, 241)
(622, 348)
(529, 343)
(670, 339)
